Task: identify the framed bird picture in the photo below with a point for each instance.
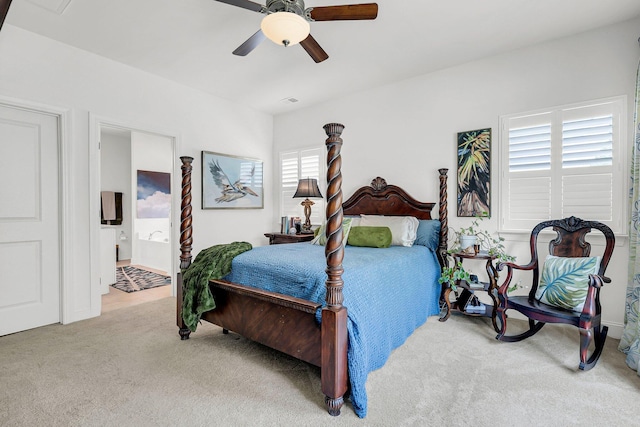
(231, 182)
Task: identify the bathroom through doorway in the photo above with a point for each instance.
(136, 200)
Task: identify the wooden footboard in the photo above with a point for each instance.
(284, 323)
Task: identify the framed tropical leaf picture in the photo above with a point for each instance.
(474, 173)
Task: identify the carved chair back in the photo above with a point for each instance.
(570, 242)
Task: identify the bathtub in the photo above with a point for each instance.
(154, 253)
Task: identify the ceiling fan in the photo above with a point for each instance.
(4, 9)
(287, 23)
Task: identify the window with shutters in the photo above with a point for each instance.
(294, 165)
(564, 161)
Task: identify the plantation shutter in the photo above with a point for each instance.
(587, 163)
(563, 162)
(295, 165)
(289, 166)
(529, 170)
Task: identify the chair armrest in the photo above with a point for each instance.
(591, 304)
(502, 265)
(502, 289)
(598, 281)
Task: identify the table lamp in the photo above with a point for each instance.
(307, 187)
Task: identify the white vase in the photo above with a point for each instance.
(467, 241)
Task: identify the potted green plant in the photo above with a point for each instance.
(452, 274)
(483, 241)
(467, 237)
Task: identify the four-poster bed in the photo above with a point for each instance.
(319, 331)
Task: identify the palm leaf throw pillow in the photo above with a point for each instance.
(321, 238)
(565, 281)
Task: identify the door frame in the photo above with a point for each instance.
(65, 188)
(96, 122)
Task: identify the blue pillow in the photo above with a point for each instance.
(428, 233)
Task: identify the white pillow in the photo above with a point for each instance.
(403, 228)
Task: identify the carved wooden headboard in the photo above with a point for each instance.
(382, 199)
(379, 198)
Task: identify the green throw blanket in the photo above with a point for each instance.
(211, 263)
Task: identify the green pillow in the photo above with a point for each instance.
(564, 281)
(370, 237)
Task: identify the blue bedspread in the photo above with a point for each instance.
(388, 294)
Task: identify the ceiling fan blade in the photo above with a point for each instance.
(313, 49)
(251, 43)
(344, 12)
(245, 4)
(4, 9)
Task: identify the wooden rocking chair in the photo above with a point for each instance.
(556, 296)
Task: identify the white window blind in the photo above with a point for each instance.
(561, 162)
(295, 165)
(587, 142)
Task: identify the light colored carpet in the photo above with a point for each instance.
(129, 368)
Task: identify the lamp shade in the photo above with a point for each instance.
(285, 28)
(308, 187)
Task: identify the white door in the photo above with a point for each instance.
(107, 258)
(29, 224)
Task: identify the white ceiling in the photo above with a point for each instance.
(190, 41)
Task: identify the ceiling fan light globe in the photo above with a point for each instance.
(285, 28)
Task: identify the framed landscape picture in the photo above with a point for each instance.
(474, 173)
(231, 182)
(154, 194)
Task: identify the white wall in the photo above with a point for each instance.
(115, 175)
(40, 70)
(407, 130)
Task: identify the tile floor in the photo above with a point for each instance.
(116, 299)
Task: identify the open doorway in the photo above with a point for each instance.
(136, 235)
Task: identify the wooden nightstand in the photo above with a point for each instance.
(280, 238)
(467, 291)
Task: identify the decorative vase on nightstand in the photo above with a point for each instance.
(467, 241)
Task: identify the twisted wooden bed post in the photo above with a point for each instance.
(185, 214)
(334, 315)
(185, 238)
(444, 220)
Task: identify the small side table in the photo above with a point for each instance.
(281, 238)
(468, 290)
